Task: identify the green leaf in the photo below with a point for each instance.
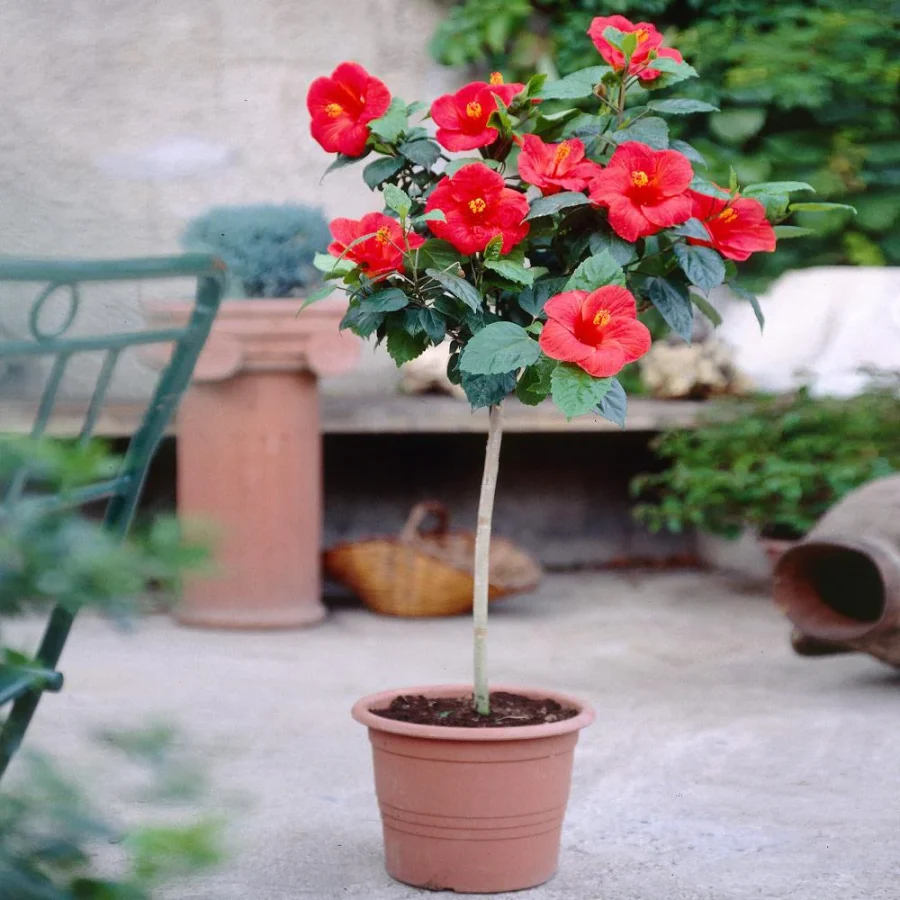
(547, 206)
(341, 161)
(388, 300)
(397, 200)
(681, 107)
(652, 131)
(702, 186)
(707, 309)
(535, 83)
(752, 299)
(621, 251)
(596, 271)
(391, 125)
(575, 86)
(672, 71)
(690, 152)
(532, 299)
(422, 153)
(692, 228)
(575, 392)
(615, 37)
(456, 164)
(361, 322)
(434, 324)
(821, 207)
(674, 305)
(737, 125)
(498, 348)
(487, 390)
(436, 254)
(332, 266)
(512, 271)
(702, 265)
(776, 187)
(494, 247)
(459, 287)
(322, 293)
(415, 107)
(534, 385)
(434, 215)
(614, 405)
(376, 173)
(403, 346)
(786, 232)
(500, 118)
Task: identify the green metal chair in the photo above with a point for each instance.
(23, 685)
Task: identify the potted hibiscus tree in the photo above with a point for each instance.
(532, 232)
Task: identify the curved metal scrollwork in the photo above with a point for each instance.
(74, 300)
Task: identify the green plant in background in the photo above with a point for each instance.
(50, 835)
(807, 90)
(269, 249)
(772, 464)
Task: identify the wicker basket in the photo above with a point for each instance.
(427, 573)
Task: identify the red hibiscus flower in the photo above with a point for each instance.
(598, 331)
(477, 206)
(648, 39)
(462, 117)
(379, 255)
(556, 167)
(736, 227)
(340, 106)
(645, 190)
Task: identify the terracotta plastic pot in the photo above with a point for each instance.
(473, 810)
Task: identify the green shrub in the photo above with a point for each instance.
(269, 250)
(772, 464)
(806, 90)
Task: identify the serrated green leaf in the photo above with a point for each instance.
(690, 152)
(575, 392)
(498, 348)
(614, 405)
(341, 161)
(652, 131)
(434, 323)
(433, 215)
(423, 153)
(397, 200)
(535, 83)
(391, 125)
(776, 187)
(376, 173)
(673, 304)
(707, 309)
(547, 206)
(702, 186)
(435, 254)
(575, 86)
(621, 251)
(821, 207)
(404, 347)
(693, 228)
(616, 37)
(672, 70)
(487, 390)
(512, 271)
(534, 385)
(332, 266)
(702, 265)
(681, 107)
(532, 299)
(494, 247)
(388, 300)
(596, 271)
(361, 322)
(325, 291)
(459, 287)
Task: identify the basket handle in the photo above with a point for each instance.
(419, 513)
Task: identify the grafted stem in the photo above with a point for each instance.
(482, 557)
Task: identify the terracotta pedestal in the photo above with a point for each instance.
(249, 459)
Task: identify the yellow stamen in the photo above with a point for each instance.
(642, 35)
(496, 78)
(383, 235)
(639, 179)
(729, 214)
(562, 152)
(473, 110)
(477, 205)
(601, 320)
(333, 110)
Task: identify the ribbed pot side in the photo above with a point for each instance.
(472, 810)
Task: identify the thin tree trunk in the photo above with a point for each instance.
(482, 557)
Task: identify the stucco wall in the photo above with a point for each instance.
(123, 119)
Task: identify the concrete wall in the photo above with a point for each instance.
(123, 119)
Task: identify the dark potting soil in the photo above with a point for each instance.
(507, 711)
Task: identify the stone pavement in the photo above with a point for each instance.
(721, 767)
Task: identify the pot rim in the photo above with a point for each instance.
(362, 713)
